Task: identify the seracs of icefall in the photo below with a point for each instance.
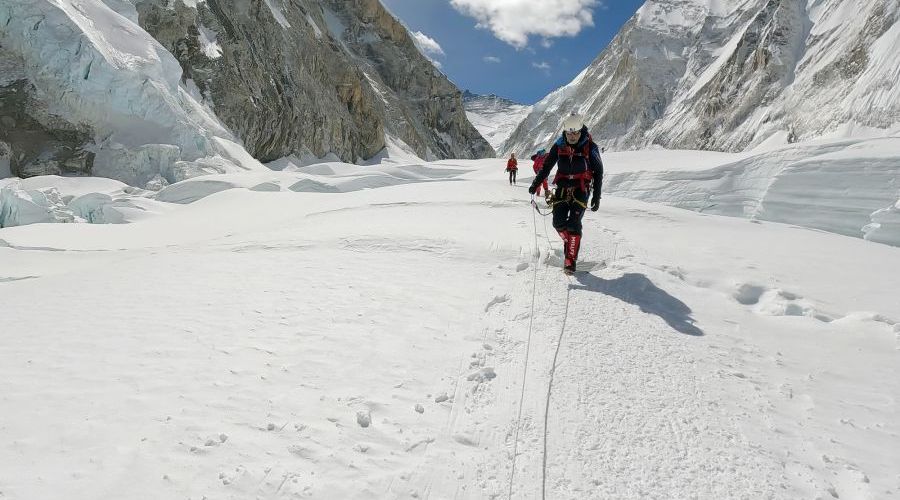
(143, 90)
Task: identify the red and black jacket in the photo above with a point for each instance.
(577, 165)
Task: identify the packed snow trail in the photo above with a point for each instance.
(626, 420)
(515, 455)
(553, 365)
(637, 409)
(371, 344)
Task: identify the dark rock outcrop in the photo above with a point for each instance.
(33, 139)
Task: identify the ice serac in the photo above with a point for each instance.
(313, 78)
(151, 91)
(33, 139)
(19, 207)
(92, 93)
(730, 75)
(885, 225)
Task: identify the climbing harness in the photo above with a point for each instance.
(567, 197)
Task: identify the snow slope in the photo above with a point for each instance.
(376, 343)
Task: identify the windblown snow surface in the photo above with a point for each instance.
(404, 331)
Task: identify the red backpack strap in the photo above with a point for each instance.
(587, 146)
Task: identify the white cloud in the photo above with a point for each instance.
(543, 66)
(492, 59)
(427, 45)
(513, 21)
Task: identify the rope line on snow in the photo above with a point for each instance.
(512, 474)
(562, 332)
(547, 234)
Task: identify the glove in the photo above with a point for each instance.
(532, 189)
(595, 204)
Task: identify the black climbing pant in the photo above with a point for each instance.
(568, 209)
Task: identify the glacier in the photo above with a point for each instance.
(98, 68)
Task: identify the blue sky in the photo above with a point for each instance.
(519, 49)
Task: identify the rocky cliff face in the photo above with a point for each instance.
(733, 74)
(310, 77)
(150, 91)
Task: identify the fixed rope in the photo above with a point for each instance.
(562, 332)
(512, 474)
(527, 357)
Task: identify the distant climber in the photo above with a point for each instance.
(538, 159)
(512, 166)
(579, 171)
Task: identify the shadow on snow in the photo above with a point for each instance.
(637, 289)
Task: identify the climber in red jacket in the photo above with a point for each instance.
(538, 159)
(512, 166)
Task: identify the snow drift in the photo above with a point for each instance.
(846, 187)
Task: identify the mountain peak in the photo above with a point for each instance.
(469, 96)
(731, 75)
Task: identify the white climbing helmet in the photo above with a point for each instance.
(573, 123)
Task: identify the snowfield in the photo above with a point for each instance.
(392, 332)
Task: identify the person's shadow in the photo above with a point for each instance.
(637, 289)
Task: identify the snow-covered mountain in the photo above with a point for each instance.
(495, 117)
(733, 74)
(154, 91)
